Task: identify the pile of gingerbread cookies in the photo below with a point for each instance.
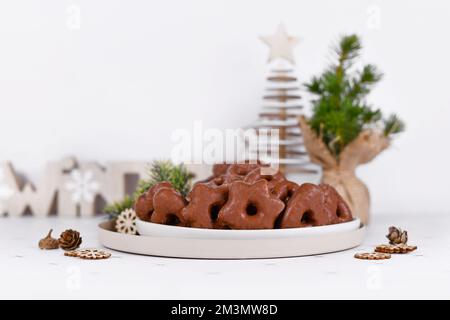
(244, 196)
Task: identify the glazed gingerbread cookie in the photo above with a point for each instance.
(313, 205)
(259, 174)
(241, 169)
(225, 179)
(250, 206)
(168, 204)
(205, 202)
(284, 190)
(220, 169)
(337, 208)
(144, 203)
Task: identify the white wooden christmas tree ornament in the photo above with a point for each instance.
(281, 109)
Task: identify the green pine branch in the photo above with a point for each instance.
(159, 171)
(164, 170)
(114, 209)
(340, 110)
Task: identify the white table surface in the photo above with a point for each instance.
(28, 272)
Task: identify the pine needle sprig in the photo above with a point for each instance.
(114, 209)
(393, 125)
(181, 179)
(347, 50)
(164, 170)
(178, 175)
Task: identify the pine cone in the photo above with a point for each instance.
(397, 236)
(69, 240)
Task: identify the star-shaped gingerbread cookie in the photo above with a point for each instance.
(250, 206)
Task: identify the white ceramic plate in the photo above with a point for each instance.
(230, 249)
(161, 230)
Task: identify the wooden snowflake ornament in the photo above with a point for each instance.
(93, 254)
(88, 254)
(126, 222)
(71, 253)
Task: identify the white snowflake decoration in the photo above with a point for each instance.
(82, 186)
(5, 191)
(126, 222)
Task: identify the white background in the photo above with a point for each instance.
(115, 86)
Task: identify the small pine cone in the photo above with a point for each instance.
(69, 240)
(397, 236)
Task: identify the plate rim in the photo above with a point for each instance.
(202, 233)
(229, 249)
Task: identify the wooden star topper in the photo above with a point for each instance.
(281, 45)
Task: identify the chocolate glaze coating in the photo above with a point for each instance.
(284, 190)
(241, 169)
(220, 169)
(144, 203)
(225, 179)
(313, 205)
(250, 206)
(168, 204)
(204, 206)
(272, 179)
(339, 210)
(239, 196)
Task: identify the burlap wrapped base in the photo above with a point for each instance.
(341, 173)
